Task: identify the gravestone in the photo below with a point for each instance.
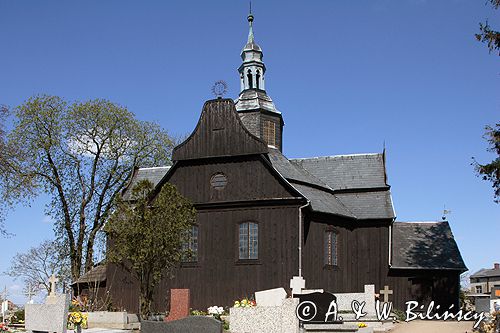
(49, 317)
(314, 307)
(271, 297)
(179, 304)
(192, 324)
(265, 319)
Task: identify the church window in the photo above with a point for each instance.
(257, 79)
(218, 181)
(190, 246)
(250, 79)
(331, 248)
(269, 133)
(248, 237)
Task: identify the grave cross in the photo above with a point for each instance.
(52, 282)
(30, 292)
(386, 292)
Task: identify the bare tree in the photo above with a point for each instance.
(39, 263)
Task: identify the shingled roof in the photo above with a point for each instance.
(96, 274)
(425, 245)
(154, 175)
(353, 186)
(342, 172)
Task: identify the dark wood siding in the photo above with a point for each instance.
(219, 132)
(220, 277)
(364, 259)
(247, 179)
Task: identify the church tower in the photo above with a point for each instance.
(256, 109)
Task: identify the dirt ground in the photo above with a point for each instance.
(426, 326)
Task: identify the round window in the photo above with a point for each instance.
(218, 181)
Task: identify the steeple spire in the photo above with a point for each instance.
(250, 25)
(257, 110)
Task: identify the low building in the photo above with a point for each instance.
(485, 279)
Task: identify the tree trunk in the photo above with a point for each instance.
(145, 302)
(89, 260)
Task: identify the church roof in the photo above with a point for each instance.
(368, 205)
(323, 201)
(349, 185)
(425, 245)
(343, 172)
(154, 175)
(252, 99)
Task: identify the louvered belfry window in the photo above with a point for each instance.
(269, 133)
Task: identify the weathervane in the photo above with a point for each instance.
(219, 88)
(445, 212)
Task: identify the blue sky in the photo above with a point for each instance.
(347, 76)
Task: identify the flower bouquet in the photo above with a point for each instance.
(217, 312)
(245, 303)
(77, 319)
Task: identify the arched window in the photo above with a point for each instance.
(248, 240)
(190, 247)
(257, 79)
(331, 247)
(250, 79)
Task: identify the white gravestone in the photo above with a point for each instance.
(271, 297)
(51, 316)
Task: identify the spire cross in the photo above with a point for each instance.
(52, 282)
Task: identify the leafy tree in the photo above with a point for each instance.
(488, 35)
(491, 171)
(3, 157)
(38, 264)
(81, 154)
(147, 237)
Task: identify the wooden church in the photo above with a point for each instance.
(264, 218)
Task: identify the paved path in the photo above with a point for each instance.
(434, 326)
(103, 330)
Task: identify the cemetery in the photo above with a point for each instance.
(268, 311)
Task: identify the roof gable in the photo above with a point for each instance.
(219, 133)
(425, 245)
